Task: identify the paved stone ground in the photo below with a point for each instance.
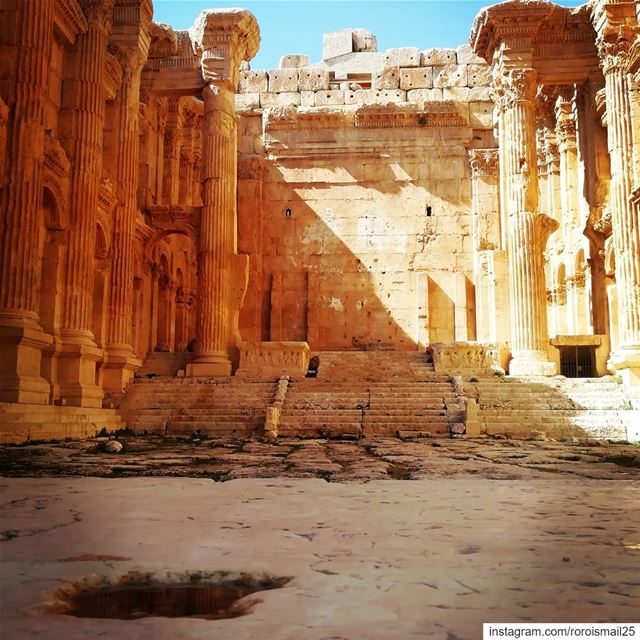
(334, 461)
(485, 530)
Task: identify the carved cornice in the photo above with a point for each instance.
(484, 162)
(434, 114)
(132, 12)
(175, 218)
(516, 19)
(69, 20)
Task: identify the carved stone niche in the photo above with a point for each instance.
(467, 358)
(268, 360)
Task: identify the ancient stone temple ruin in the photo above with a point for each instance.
(181, 233)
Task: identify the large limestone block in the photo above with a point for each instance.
(313, 79)
(431, 57)
(466, 55)
(466, 358)
(337, 44)
(267, 360)
(325, 98)
(402, 57)
(421, 78)
(308, 98)
(481, 115)
(424, 95)
(458, 94)
(387, 78)
(452, 75)
(247, 101)
(478, 75)
(253, 82)
(480, 94)
(293, 61)
(283, 80)
(374, 96)
(289, 98)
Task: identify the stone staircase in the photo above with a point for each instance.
(373, 366)
(21, 423)
(596, 407)
(185, 406)
(370, 393)
(164, 363)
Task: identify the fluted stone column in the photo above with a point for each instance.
(82, 122)
(625, 210)
(21, 337)
(527, 228)
(120, 361)
(223, 38)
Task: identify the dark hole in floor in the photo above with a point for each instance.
(128, 600)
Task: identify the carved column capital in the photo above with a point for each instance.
(484, 162)
(519, 85)
(222, 39)
(99, 13)
(614, 47)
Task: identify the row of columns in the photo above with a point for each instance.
(625, 210)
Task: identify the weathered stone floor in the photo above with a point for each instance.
(485, 530)
(334, 461)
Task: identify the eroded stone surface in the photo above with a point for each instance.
(428, 558)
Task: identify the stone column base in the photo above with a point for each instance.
(214, 365)
(118, 370)
(532, 363)
(77, 375)
(20, 359)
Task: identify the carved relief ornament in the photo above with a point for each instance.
(613, 49)
(484, 162)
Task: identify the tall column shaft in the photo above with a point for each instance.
(625, 211)
(121, 362)
(83, 121)
(527, 229)
(21, 338)
(223, 38)
(217, 242)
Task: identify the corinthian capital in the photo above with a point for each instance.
(520, 85)
(223, 38)
(99, 13)
(613, 48)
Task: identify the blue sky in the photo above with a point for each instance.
(290, 26)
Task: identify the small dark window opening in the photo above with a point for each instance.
(428, 212)
(578, 362)
(287, 213)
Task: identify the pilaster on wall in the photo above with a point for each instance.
(492, 309)
(82, 123)
(614, 46)
(27, 39)
(223, 38)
